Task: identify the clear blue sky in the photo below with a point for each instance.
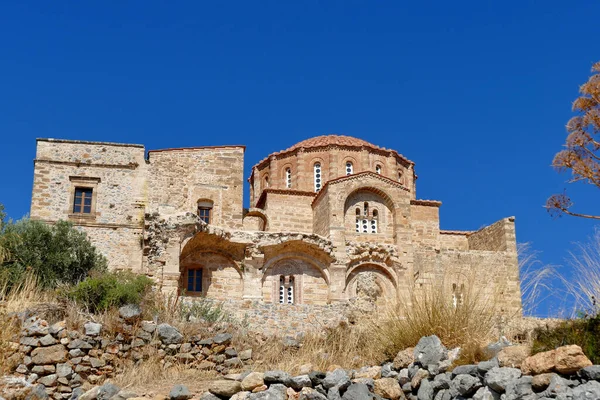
(477, 93)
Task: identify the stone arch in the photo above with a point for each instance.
(221, 277)
(371, 281)
(255, 220)
(311, 280)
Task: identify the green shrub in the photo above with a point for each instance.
(111, 289)
(584, 332)
(203, 309)
(55, 254)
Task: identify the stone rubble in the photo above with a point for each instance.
(59, 362)
(53, 362)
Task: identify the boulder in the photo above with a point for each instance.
(589, 390)
(179, 392)
(275, 392)
(222, 338)
(368, 372)
(513, 356)
(49, 355)
(469, 369)
(130, 312)
(388, 388)
(276, 377)
(498, 378)
(570, 359)
(541, 382)
(208, 396)
(404, 358)
(485, 393)
(430, 350)
(299, 382)
(168, 334)
(35, 326)
(590, 373)
(240, 396)
(310, 394)
(520, 389)
(92, 328)
(464, 385)
(425, 391)
(539, 363)
(48, 380)
(225, 388)
(357, 391)
(107, 391)
(253, 380)
(339, 377)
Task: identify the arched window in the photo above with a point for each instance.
(349, 168)
(400, 176)
(286, 289)
(367, 221)
(378, 169)
(288, 178)
(458, 294)
(266, 182)
(318, 177)
(205, 210)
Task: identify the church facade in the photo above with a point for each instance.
(326, 215)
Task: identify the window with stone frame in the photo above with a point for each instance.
(288, 178)
(366, 221)
(378, 169)
(286, 289)
(349, 168)
(193, 281)
(318, 176)
(84, 192)
(204, 211)
(82, 203)
(458, 294)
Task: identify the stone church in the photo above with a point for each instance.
(323, 213)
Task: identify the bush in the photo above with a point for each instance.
(54, 254)
(108, 290)
(469, 323)
(584, 332)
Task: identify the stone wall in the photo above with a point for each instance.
(286, 319)
(116, 174)
(499, 236)
(179, 178)
(288, 212)
(65, 360)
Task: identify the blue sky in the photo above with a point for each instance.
(477, 93)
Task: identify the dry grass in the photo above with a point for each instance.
(584, 287)
(24, 296)
(470, 321)
(349, 346)
(152, 376)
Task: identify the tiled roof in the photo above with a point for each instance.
(331, 140)
(327, 140)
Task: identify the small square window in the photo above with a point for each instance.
(194, 280)
(82, 204)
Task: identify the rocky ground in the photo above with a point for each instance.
(52, 362)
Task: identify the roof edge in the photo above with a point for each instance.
(235, 146)
(89, 142)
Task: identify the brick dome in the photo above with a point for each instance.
(327, 140)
